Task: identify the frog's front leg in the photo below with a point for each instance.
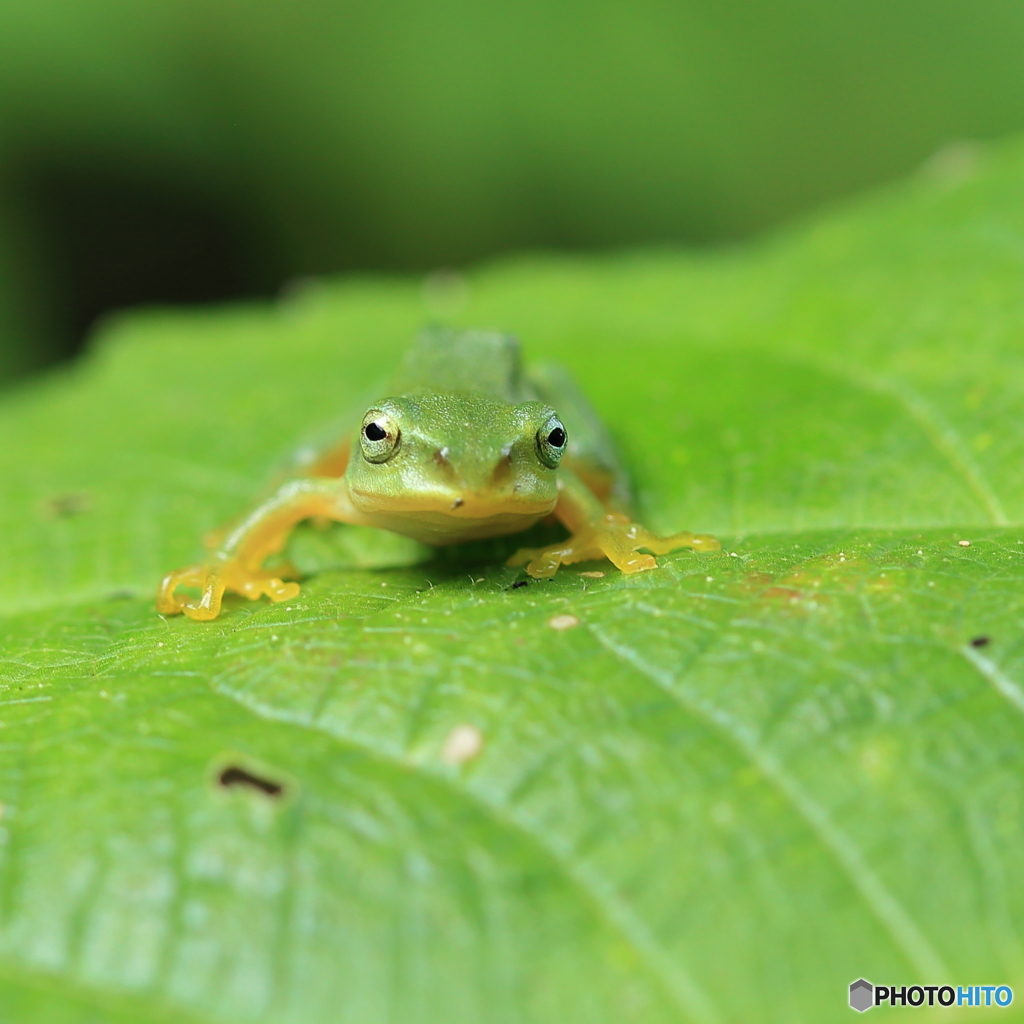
(236, 563)
(596, 532)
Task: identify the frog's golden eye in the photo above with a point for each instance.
(551, 442)
(379, 436)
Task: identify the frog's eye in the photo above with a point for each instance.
(379, 436)
(551, 442)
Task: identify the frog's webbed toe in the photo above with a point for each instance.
(213, 579)
(613, 537)
(236, 566)
(204, 577)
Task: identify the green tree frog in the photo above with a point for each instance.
(466, 446)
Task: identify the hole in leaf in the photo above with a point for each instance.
(232, 775)
(981, 641)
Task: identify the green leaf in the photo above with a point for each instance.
(728, 789)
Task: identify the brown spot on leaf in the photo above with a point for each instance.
(64, 506)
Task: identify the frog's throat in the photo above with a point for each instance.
(443, 519)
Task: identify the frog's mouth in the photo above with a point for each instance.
(453, 517)
(461, 503)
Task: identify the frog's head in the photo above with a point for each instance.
(445, 468)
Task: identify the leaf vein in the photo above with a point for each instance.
(682, 989)
(904, 932)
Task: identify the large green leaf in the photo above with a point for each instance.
(738, 783)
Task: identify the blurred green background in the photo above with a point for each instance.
(187, 151)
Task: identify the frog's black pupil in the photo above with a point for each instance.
(556, 438)
(374, 432)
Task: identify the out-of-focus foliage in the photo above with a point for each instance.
(315, 135)
(737, 783)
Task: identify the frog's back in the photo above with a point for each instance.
(443, 360)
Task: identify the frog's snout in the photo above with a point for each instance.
(474, 479)
(463, 486)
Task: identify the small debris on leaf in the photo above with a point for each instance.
(964, 543)
(462, 744)
(561, 622)
(981, 641)
(520, 583)
(593, 575)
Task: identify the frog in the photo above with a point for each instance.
(466, 444)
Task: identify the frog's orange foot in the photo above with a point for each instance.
(213, 579)
(614, 538)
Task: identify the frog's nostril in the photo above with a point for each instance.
(444, 463)
(502, 471)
